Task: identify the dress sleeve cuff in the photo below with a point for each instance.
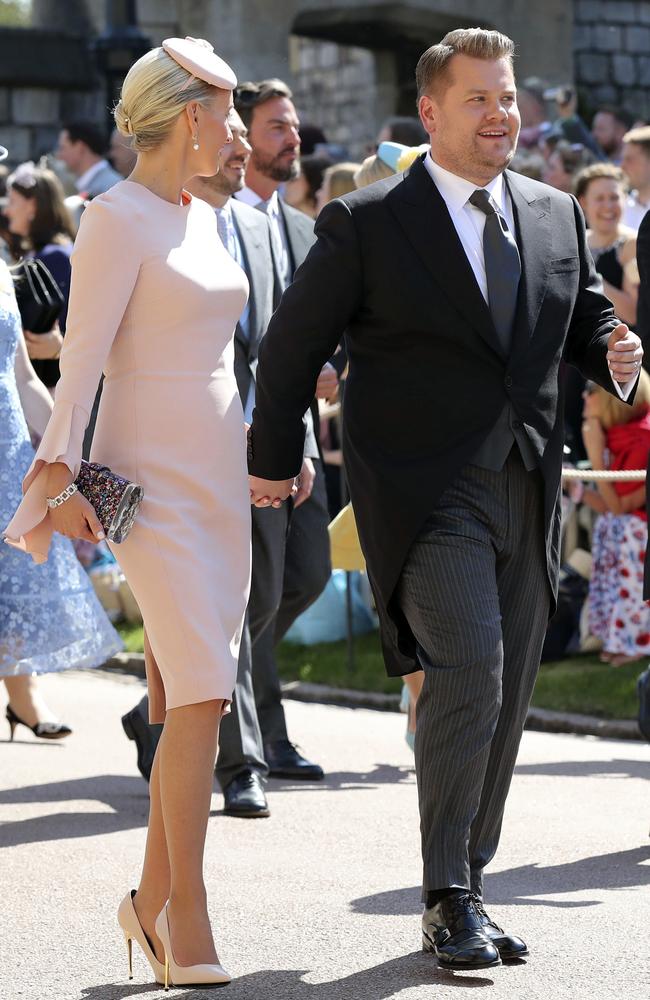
(30, 528)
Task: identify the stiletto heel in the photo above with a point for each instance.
(44, 730)
(185, 975)
(129, 952)
(128, 920)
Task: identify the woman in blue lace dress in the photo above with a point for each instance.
(50, 619)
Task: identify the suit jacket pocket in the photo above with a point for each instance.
(560, 264)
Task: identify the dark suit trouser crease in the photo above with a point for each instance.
(475, 592)
(291, 566)
(306, 568)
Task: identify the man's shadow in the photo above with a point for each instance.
(349, 781)
(589, 768)
(529, 884)
(379, 983)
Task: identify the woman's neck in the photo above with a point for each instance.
(163, 174)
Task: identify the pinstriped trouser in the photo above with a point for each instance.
(475, 592)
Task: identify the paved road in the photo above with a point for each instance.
(320, 902)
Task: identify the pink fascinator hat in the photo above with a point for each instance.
(199, 58)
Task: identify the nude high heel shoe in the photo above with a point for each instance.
(127, 918)
(185, 975)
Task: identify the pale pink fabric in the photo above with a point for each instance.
(154, 303)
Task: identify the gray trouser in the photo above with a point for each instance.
(475, 592)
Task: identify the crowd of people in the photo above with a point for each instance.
(273, 179)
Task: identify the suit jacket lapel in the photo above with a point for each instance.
(253, 251)
(533, 224)
(421, 211)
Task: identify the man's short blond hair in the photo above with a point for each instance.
(432, 72)
(640, 137)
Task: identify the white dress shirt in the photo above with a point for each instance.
(469, 223)
(271, 207)
(634, 211)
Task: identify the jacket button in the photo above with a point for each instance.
(508, 382)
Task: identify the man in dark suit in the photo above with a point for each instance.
(268, 112)
(460, 287)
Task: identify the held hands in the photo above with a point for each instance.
(624, 354)
(269, 493)
(76, 517)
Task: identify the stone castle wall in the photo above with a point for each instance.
(611, 44)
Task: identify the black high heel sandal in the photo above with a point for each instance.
(44, 730)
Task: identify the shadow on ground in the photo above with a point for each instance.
(381, 774)
(378, 983)
(589, 768)
(528, 884)
(127, 798)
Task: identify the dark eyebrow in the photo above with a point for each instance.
(506, 90)
(280, 121)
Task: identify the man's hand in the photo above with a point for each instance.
(624, 354)
(328, 382)
(268, 492)
(305, 482)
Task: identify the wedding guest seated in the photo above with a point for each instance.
(617, 437)
(39, 218)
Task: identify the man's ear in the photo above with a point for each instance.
(428, 113)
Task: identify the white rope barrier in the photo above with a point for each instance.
(592, 476)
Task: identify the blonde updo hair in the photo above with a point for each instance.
(154, 92)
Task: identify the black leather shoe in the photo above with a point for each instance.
(146, 739)
(285, 762)
(452, 930)
(244, 796)
(509, 946)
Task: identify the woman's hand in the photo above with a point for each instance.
(75, 517)
(270, 493)
(593, 499)
(44, 346)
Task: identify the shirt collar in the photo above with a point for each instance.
(248, 196)
(85, 179)
(456, 190)
(225, 210)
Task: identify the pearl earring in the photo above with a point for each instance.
(196, 142)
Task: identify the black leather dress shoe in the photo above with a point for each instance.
(146, 739)
(509, 946)
(285, 762)
(452, 930)
(244, 796)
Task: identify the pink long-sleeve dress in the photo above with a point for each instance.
(154, 302)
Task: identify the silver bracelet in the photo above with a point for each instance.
(68, 492)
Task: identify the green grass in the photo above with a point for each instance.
(580, 684)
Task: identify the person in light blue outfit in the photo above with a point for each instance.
(50, 618)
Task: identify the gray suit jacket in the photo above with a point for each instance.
(102, 181)
(254, 232)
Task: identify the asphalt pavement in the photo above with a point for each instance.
(321, 900)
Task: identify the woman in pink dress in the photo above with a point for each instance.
(154, 303)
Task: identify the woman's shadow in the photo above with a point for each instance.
(378, 983)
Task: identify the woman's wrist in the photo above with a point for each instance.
(58, 478)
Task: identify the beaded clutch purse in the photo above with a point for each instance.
(116, 500)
